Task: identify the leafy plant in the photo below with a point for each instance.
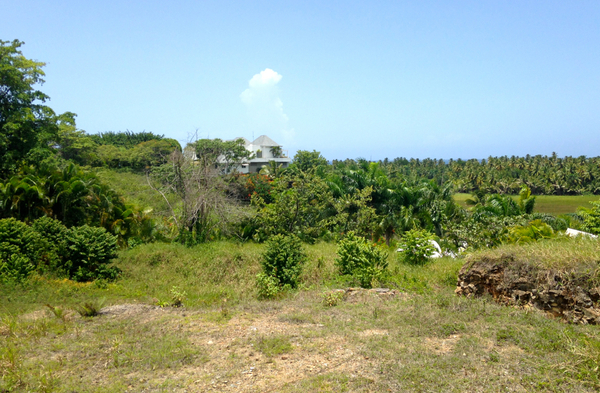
(332, 298)
(53, 232)
(267, 287)
(58, 312)
(90, 308)
(177, 296)
(533, 231)
(283, 259)
(362, 260)
(416, 247)
(90, 251)
(20, 250)
(591, 217)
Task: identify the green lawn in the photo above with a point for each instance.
(554, 204)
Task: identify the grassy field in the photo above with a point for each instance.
(421, 338)
(554, 204)
(135, 189)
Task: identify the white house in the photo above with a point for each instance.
(265, 150)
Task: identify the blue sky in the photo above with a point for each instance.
(440, 79)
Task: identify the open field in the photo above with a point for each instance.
(420, 338)
(554, 204)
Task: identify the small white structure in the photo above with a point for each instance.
(574, 232)
(438, 250)
(438, 253)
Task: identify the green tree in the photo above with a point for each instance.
(20, 250)
(300, 205)
(226, 154)
(416, 247)
(76, 145)
(25, 123)
(90, 251)
(307, 160)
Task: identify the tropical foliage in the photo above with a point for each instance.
(416, 246)
(363, 261)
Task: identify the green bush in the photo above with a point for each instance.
(362, 260)
(283, 259)
(90, 251)
(591, 217)
(416, 247)
(533, 231)
(20, 250)
(53, 233)
(267, 287)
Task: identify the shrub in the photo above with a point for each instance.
(20, 250)
(416, 247)
(591, 217)
(560, 223)
(90, 250)
(266, 286)
(283, 259)
(53, 232)
(533, 231)
(362, 260)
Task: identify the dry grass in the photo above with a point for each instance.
(568, 254)
(423, 340)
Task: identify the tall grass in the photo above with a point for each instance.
(563, 253)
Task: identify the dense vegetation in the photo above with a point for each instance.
(133, 216)
(544, 175)
(48, 172)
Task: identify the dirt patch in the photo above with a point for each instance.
(561, 294)
(373, 332)
(442, 346)
(237, 365)
(128, 310)
(355, 295)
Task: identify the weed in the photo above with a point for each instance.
(58, 312)
(494, 357)
(332, 298)
(177, 296)
(274, 345)
(225, 312)
(90, 308)
(11, 372)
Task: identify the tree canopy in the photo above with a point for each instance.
(26, 123)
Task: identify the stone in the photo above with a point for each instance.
(515, 283)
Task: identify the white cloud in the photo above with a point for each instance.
(265, 108)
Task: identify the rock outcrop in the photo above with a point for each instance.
(563, 294)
